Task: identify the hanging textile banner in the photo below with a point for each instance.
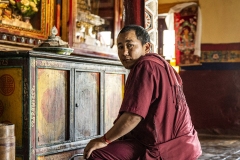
(185, 19)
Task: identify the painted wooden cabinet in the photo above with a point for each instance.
(58, 102)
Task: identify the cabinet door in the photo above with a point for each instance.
(87, 104)
(52, 106)
(113, 96)
(11, 98)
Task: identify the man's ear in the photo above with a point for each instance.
(147, 47)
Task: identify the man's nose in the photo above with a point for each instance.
(125, 52)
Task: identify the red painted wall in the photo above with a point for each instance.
(213, 95)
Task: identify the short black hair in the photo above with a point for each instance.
(140, 32)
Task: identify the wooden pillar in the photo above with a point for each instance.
(66, 20)
(118, 18)
(145, 14)
(134, 12)
(58, 16)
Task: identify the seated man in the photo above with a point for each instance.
(154, 121)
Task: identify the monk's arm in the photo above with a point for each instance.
(125, 123)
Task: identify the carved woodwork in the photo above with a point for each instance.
(57, 102)
(13, 35)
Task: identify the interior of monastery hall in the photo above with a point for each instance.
(62, 82)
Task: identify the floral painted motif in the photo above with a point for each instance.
(27, 8)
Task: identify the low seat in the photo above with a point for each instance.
(76, 155)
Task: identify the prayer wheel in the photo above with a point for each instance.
(7, 142)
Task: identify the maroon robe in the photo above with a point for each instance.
(154, 91)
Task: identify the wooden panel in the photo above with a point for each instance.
(52, 86)
(11, 100)
(114, 87)
(61, 156)
(87, 104)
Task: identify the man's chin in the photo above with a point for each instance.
(127, 68)
(128, 65)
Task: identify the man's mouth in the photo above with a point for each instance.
(127, 59)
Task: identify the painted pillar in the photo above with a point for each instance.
(134, 12)
(143, 13)
(151, 22)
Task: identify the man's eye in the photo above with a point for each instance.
(120, 47)
(129, 46)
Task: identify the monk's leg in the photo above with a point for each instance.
(119, 150)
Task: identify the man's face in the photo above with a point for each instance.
(130, 49)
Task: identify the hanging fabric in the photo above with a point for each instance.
(185, 19)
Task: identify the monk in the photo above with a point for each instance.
(154, 121)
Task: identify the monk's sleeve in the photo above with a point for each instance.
(138, 90)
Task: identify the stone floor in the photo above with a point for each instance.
(220, 148)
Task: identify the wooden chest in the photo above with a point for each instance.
(58, 102)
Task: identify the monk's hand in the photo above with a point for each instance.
(93, 145)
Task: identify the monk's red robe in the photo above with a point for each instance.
(154, 91)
